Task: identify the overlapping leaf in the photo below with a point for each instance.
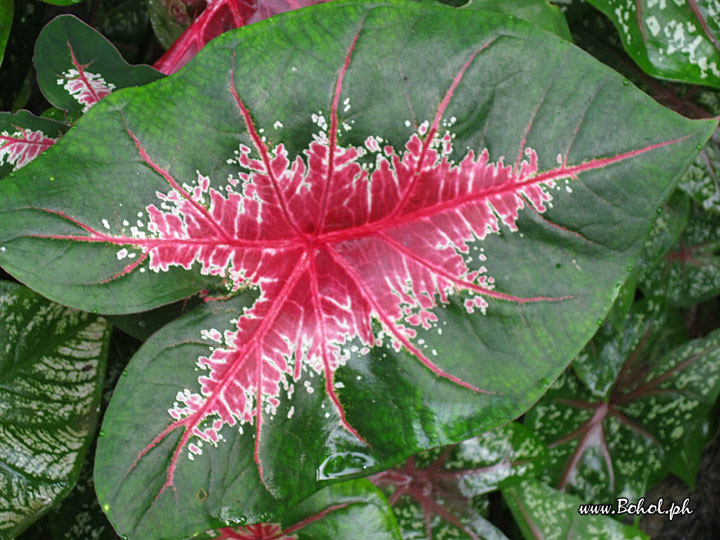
(644, 416)
(414, 249)
(52, 362)
(77, 67)
(352, 509)
(690, 271)
(670, 39)
(545, 513)
(23, 137)
(438, 493)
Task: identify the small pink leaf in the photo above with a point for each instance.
(22, 146)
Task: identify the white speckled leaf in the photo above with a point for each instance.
(439, 493)
(701, 181)
(671, 39)
(544, 514)
(690, 272)
(52, 361)
(652, 420)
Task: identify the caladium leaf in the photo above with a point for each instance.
(346, 510)
(23, 137)
(670, 39)
(365, 222)
(538, 12)
(621, 443)
(6, 17)
(690, 272)
(77, 67)
(52, 362)
(545, 513)
(437, 493)
(702, 179)
(218, 17)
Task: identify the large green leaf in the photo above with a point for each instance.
(544, 514)
(369, 318)
(671, 39)
(439, 493)
(52, 363)
(641, 414)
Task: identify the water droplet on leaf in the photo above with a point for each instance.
(599, 322)
(124, 373)
(699, 147)
(626, 82)
(343, 464)
(659, 210)
(558, 265)
(106, 507)
(102, 432)
(202, 495)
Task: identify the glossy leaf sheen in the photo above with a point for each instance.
(52, 362)
(670, 39)
(544, 513)
(344, 510)
(400, 279)
(538, 12)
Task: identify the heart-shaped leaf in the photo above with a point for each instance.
(396, 284)
(608, 440)
(544, 513)
(348, 510)
(52, 363)
(678, 40)
(438, 493)
(77, 67)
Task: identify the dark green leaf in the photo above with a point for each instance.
(544, 513)
(52, 362)
(670, 39)
(6, 17)
(76, 66)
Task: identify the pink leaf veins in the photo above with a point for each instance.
(22, 146)
(85, 87)
(335, 240)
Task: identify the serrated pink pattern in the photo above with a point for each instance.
(335, 240)
(22, 146)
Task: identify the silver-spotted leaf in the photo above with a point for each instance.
(652, 420)
(439, 493)
(52, 363)
(671, 39)
(416, 232)
(544, 513)
(690, 271)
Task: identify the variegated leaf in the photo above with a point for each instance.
(52, 363)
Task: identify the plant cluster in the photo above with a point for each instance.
(378, 270)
